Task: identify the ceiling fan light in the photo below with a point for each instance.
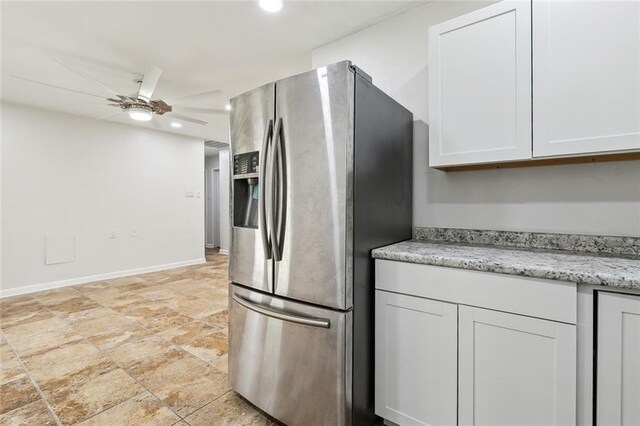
(271, 5)
(140, 114)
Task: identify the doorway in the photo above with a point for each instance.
(212, 202)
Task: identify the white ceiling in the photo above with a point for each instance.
(201, 46)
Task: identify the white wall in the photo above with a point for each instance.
(71, 174)
(592, 199)
(225, 224)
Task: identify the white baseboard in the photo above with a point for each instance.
(99, 277)
(209, 246)
(225, 252)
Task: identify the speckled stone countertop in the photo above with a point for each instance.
(581, 267)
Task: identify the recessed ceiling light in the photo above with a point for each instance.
(271, 5)
(176, 124)
(140, 114)
(227, 107)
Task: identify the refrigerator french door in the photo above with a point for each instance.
(300, 318)
(251, 132)
(298, 247)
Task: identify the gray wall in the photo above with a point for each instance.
(588, 198)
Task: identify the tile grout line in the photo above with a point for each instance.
(102, 353)
(126, 369)
(83, 338)
(35, 385)
(64, 318)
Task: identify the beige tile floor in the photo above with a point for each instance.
(142, 350)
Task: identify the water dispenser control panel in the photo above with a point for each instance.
(246, 163)
(246, 189)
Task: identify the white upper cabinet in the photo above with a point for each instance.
(618, 378)
(586, 76)
(480, 86)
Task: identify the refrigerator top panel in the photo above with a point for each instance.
(313, 175)
(251, 123)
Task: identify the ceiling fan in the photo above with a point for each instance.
(141, 106)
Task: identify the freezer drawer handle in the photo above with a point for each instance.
(313, 322)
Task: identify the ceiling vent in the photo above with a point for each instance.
(216, 144)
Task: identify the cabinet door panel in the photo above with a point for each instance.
(480, 86)
(618, 379)
(586, 68)
(416, 360)
(515, 370)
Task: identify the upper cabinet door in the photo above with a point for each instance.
(618, 386)
(480, 86)
(586, 76)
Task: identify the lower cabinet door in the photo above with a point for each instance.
(416, 360)
(515, 370)
(618, 378)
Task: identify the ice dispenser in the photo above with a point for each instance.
(246, 189)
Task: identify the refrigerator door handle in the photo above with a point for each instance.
(278, 192)
(266, 240)
(281, 315)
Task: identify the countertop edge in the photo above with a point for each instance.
(590, 278)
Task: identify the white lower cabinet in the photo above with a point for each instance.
(515, 370)
(618, 367)
(416, 360)
(457, 347)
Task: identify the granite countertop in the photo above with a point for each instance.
(574, 266)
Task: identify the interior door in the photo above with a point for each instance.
(251, 121)
(314, 136)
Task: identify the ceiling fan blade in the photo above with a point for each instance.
(173, 100)
(199, 110)
(156, 123)
(81, 73)
(57, 87)
(149, 82)
(189, 119)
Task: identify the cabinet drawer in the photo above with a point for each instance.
(547, 299)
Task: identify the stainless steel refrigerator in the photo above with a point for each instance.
(321, 174)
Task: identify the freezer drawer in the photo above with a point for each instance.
(291, 360)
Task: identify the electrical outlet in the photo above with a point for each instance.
(198, 194)
(135, 232)
(112, 235)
